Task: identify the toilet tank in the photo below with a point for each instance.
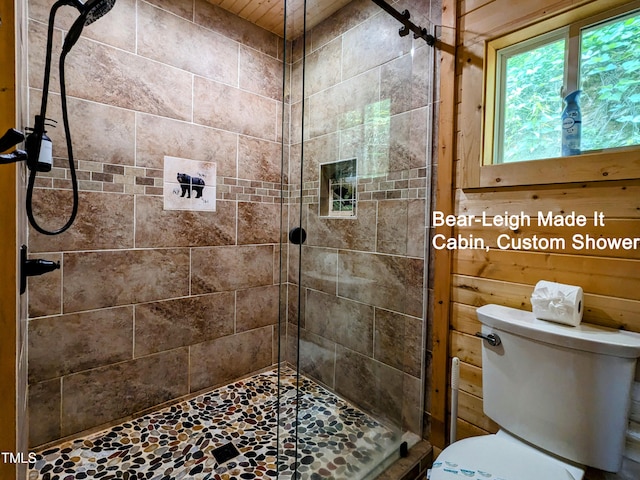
(564, 389)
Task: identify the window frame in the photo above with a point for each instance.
(610, 164)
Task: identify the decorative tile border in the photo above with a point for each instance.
(95, 176)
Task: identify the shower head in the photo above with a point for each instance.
(94, 9)
(89, 13)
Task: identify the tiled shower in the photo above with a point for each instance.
(155, 305)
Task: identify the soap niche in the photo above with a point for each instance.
(338, 189)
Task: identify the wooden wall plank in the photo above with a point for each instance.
(614, 277)
(464, 318)
(471, 379)
(467, 348)
(466, 430)
(600, 310)
(470, 410)
(620, 199)
(8, 248)
(618, 165)
(441, 265)
(613, 228)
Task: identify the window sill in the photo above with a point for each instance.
(622, 164)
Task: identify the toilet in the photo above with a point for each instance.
(560, 394)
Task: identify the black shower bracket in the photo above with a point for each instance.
(407, 25)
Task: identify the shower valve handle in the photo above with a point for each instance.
(13, 157)
(11, 138)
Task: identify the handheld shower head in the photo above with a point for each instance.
(89, 13)
(97, 8)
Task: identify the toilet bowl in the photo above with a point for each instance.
(500, 457)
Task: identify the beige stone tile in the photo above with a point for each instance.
(224, 359)
(116, 28)
(37, 38)
(371, 385)
(340, 320)
(323, 67)
(408, 140)
(411, 404)
(407, 80)
(234, 110)
(320, 268)
(175, 41)
(104, 220)
(357, 234)
(182, 8)
(256, 307)
(392, 227)
(319, 150)
(258, 223)
(353, 14)
(44, 405)
(345, 105)
(108, 393)
(71, 343)
(416, 231)
(259, 159)
(260, 73)
(103, 74)
(157, 137)
(94, 127)
(398, 341)
(156, 227)
(364, 51)
(182, 322)
(236, 28)
(385, 281)
(103, 279)
(317, 358)
(219, 269)
(45, 291)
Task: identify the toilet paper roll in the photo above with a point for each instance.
(557, 302)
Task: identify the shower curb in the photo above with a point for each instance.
(411, 467)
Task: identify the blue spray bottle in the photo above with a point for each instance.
(571, 125)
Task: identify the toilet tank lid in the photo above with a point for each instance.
(586, 337)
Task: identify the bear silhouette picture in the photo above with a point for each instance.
(188, 183)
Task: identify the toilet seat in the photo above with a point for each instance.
(499, 457)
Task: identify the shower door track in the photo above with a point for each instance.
(408, 25)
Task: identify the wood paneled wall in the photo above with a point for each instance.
(610, 278)
(8, 247)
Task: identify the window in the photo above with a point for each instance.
(338, 187)
(600, 57)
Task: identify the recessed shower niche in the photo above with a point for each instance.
(189, 184)
(338, 188)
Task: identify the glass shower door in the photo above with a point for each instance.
(359, 155)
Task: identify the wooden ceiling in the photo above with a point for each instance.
(269, 14)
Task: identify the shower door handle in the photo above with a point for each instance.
(297, 235)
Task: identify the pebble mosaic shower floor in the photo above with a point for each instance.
(336, 440)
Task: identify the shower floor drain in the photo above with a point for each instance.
(225, 453)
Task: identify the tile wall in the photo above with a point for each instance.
(363, 299)
(150, 304)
